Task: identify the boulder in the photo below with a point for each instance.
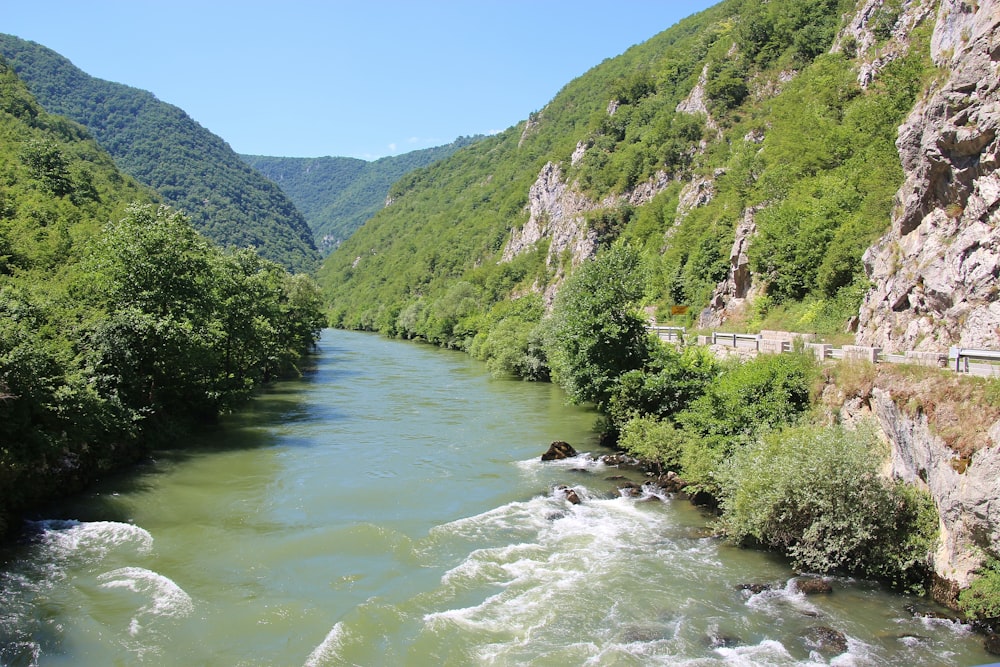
(813, 586)
(671, 482)
(569, 494)
(559, 450)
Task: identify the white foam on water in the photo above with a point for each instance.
(582, 461)
(329, 648)
(774, 601)
(165, 598)
(767, 652)
(551, 579)
(93, 539)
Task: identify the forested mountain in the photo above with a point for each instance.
(119, 323)
(336, 195)
(161, 146)
(742, 109)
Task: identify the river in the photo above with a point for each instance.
(390, 508)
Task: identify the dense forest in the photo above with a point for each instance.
(119, 323)
(162, 147)
(336, 195)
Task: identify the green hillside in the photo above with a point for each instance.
(162, 147)
(788, 133)
(336, 195)
(119, 323)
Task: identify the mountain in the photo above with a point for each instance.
(120, 325)
(336, 195)
(750, 152)
(161, 146)
(674, 146)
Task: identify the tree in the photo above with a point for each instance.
(596, 333)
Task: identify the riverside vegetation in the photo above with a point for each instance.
(119, 323)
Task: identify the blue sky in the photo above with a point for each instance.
(302, 78)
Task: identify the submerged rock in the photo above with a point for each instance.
(813, 586)
(992, 643)
(559, 450)
(754, 589)
(826, 640)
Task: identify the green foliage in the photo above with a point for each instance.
(511, 340)
(596, 334)
(654, 441)
(336, 195)
(981, 600)
(162, 147)
(745, 400)
(666, 385)
(112, 337)
(816, 494)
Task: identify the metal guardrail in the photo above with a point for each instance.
(958, 358)
(668, 333)
(964, 354)
(736, 338)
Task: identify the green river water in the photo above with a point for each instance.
(390, 508)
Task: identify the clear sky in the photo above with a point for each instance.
(306, 78)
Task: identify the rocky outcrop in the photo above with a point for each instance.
(555, 211)
(694, 104)
(935, 272)
(730, 296)
(879, 33)
(963, 489)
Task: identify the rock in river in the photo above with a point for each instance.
(559, 450)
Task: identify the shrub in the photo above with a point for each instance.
(981, 600)
(669, 383)
(652, 440)
(815, 494)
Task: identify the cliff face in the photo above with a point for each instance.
(959, 473)
(935, 272)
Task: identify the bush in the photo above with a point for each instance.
(981, 600)
(751, 397)
(596, 333)
(669, 383)
(652, 440)
(815, 494)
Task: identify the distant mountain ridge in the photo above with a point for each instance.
(161, 146)
(336, 195)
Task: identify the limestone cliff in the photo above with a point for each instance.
(935, 272)
(943, 437)
(557, 213)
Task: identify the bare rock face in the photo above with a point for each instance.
(935, 272)
(730, 296)
(556, 211)
(863, 31)
(965, 495)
